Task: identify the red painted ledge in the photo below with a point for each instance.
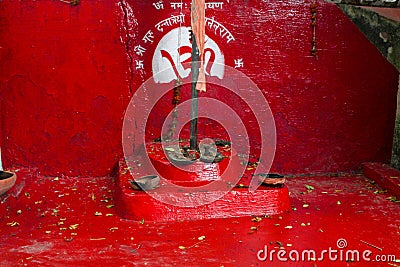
(384, 175)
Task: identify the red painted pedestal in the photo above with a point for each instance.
(238, 202)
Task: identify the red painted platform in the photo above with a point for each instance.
(49, 221)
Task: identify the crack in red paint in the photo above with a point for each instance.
(127, 45)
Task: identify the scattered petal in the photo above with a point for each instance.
(256, 219)
(73, 226)
(393, 199)
(12, 224)
(309, 187)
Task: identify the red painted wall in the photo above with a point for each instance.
(67, 73)
(63, 86)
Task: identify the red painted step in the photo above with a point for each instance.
(196, 172)
(384, 175)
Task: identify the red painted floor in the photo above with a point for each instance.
(64, 221)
